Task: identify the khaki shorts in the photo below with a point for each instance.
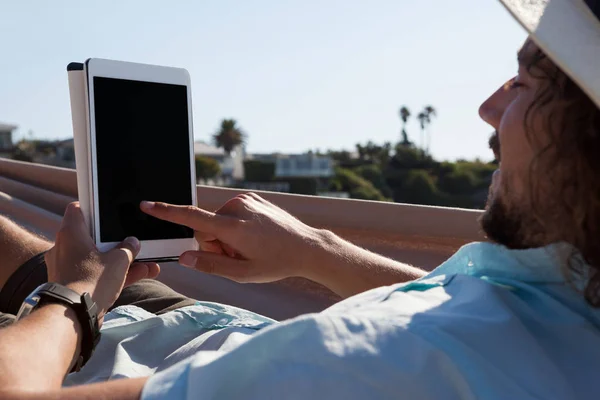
(151, 295)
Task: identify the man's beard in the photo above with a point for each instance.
(510, 225)
(502, 226)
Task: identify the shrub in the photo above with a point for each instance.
(416, 186)
(259, 171)
(460, 181)
(207, 168)
(306, 186)
(420, 188)
(373, 174)
(358, 187)
(409, 157)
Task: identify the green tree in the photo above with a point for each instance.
(373, 153)
(459, 181)
(425, 117)
(385, 155)
(358, 187)
(259, 171)
(418, 187)
(229, 135)
(341, 157)
(413, 176)
(301, 185)
(207, 168)
(404, 116)
(410, 157)
(422, 117)
(24, 150)
(431, 113)
(374, 174)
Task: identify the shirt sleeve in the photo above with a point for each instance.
(317, 356)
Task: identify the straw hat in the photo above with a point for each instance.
(568, 31)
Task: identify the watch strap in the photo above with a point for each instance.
(87, 315)
(60, 293)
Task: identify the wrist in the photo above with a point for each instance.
(59, 309)
(81, 287)
(327, 248)
(61, 305)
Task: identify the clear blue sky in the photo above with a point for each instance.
(296, 74)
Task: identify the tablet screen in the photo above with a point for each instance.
(142, 153)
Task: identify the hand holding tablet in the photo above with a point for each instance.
(133, 142)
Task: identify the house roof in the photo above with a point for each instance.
(7, 127)
(207, 150)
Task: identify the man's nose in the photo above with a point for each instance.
(492, 110)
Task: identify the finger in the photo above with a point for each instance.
(256, 197)
(74, 222)
(136, 272)
(230, 251)
(221, 265)
(261, 199)
(190, 216)
(204, 237)
(218, 247)
(73, 216)
(212, 247)
(141, 270)
(153, 270)
(236, 207)
(125, 252)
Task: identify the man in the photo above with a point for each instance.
(516, 319)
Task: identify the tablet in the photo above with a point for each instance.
(140, 144)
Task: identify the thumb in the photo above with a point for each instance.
(124, 253)
(218, 264)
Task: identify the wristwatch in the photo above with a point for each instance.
(84, 307)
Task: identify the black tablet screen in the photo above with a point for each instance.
(142, 153)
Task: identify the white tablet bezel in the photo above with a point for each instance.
(150, 249)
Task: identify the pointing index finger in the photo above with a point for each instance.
(190, 216)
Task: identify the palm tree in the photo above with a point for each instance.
(229, 136)
(430, 112)
(404, 116)
(423, 121)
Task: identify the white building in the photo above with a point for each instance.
(6, 140)
(65, 153)
(307, 165)
(232, 165)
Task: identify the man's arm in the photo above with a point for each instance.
(347, 269)
(39, 350)
(122, 389)
(251, 240)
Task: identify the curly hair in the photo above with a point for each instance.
(570, 162)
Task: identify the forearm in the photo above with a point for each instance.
(122, 389)
(347, 269)
(37, 352)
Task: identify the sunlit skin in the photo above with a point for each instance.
(508, 219)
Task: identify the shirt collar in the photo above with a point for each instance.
(539, 265)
